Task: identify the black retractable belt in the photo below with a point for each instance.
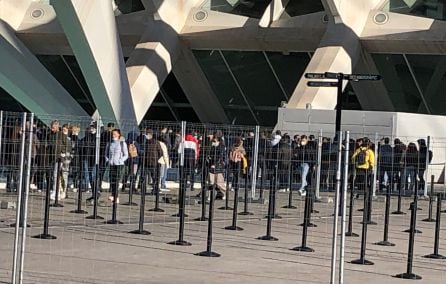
(436, 255)
(385, 241)
(431, 201)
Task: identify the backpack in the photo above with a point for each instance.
(133, 151)
(235, 156)
(360, 159)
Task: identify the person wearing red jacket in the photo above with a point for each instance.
(191, 153)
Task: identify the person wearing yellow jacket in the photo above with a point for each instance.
(364, 160)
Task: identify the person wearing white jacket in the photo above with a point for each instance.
(164, 163)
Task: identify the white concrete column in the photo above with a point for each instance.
(29, 82)
(90, 27)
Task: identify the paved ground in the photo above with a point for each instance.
(88, 251)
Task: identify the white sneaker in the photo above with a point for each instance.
(62, 195)
(74, 190)
(282, 190)
(53, 195)
(302, 192)
(164, 190)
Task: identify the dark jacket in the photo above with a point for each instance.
(152, 152)
(88, 148)
(216, 159)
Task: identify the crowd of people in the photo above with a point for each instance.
(62, 159)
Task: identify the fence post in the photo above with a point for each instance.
(1, 133)
(19, 200)
(375, 169)
(318, 166)
(96, 185)
(25, 205)
(336, 210)
(344, 206)
(255, 162)
(427, 166)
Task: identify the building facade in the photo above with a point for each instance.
(221, 61)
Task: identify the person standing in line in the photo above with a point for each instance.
(385, 160)
(149, 161)
(364, 161)
(164, 163)
(65, 162)
(116, 153)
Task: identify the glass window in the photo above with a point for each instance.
(128, 6)
(248, 8)
(435, 9)
(302, 7)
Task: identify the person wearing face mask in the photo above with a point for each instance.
(305, 157)
(65, 161)
(149, 161)
(216, 162)
(88, 158)
(116, 153)
(74, 174)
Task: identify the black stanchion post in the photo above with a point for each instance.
(208, 252)
(431, 201)
(79, 199)
(56, 188)
(141, 230)
(385, 241)
(290, 194)
(415, 202)
(398, 210)
(271, 198)
(227, 174)
(413, 220)
(95, 196)
(436, 255)
(362, 259)
(245, 201)
(45, 235)
(350, 233)
(114, 219)
(369, 211)
(236, 187)
(132, 187)
(203, 192)
(307, 213)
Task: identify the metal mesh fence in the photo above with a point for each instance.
(86, 183)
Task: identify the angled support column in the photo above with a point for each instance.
(197, 89)
(273, 12)
(29, 82)
(90, 27)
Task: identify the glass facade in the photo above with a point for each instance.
(434, 9)
(248, 8)
(415, 83)
(251, 85)
(302, 7)
(67, 72)
(8, 103)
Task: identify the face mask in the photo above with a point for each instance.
(93, 131)
(215, 144)
(115, 139)
(148, 137)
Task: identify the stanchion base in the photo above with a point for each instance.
(138, 232)
(114, 222)
(435, 256)
(370, 223)
(79, 212)
(361, 210)
(45, 237)
(362, 262)
(315, 211)
(92, 217)
(56, 205)
(225, 208)
(310, 225)
(268, 238)
(130, 204)
(385, 244)
(245, 213)
(274, 217)
(179, 243)
(304, 249)
(289, 207)
(443, 211)
(428, 220)
(409, 276)
(20, 225)
(178, 215)
(416, 231)
(160, 210)
(398, 213)
(208, 254)
(201, 219)
(233, 228)
(351, 234)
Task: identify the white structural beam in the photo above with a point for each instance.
(339, 50)
(90, 27)
(28, 81)
(273, 12)
(13, 11)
